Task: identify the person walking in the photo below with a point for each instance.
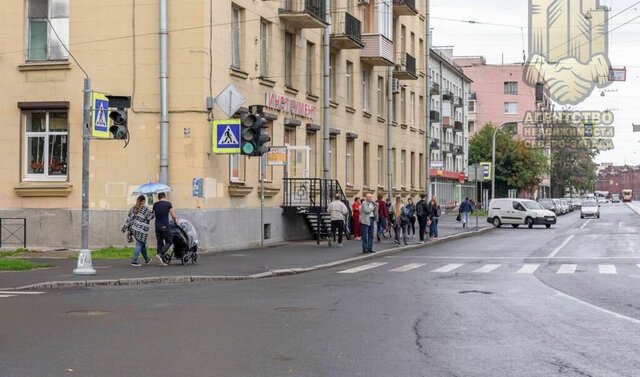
(434, 217)
(137, 228)
(163, 209)
(411, 214)
(465, 209)
(337, 212)
(383, 216)
(368, 216)
(355, 214)
(401, 221)
(423, 216)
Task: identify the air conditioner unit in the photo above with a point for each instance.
(363, 2)
(395, 85)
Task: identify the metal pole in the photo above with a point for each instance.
(476, 193)
(390, 109)
(427, 100)
(164, 94)
(262, 201)
(493, 163)
(326, 87)
(85, 266)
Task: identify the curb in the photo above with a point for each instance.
(267, 274)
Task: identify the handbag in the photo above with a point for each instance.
(459, 217)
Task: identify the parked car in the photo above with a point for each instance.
(615, 198)
(590, 208)
(562, 206)
(601, 200)
(550, 204)
(577, 203)
(518, 212)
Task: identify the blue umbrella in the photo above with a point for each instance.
(151, 188)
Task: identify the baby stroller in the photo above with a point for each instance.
(185, 242)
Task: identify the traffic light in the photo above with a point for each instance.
(253, 135)
(118, 126)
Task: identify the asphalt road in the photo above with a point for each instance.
(513, 302)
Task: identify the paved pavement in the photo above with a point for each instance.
(286, 259)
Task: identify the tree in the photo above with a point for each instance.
(517, 166)
(572, 165)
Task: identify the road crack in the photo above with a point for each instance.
(565, 367)
(418, 336)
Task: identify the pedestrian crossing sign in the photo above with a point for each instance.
(226, 136)
(100, 115)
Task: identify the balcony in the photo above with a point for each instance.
(378, 50)
(447, 122)
(303, 14)
(435, 144)
(405, 67)
(447, 96)
(458, 150)
(447, 148)
(458, 127)
(346, 31)
(457, 101)
(434, 115)
(404, 8)
(435, 88)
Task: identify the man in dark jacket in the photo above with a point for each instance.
(383, 213)
(465, 209)
(423, 216)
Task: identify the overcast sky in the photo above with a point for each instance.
(500, 33)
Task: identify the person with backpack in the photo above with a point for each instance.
(338, 212)
(465, 209)
(411, 214)
(423, 216)
(401, 220)
(434, 212)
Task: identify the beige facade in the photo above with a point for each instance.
(262, 50)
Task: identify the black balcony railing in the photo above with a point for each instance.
(313, 7)
(410, 64)
(447, 96)
(408, 3)
(458, 150)
(435, 88)
(457, 126)
(435, 144)
(352, 27)
(434, 115)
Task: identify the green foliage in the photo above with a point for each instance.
(517, 167)
(19, 265)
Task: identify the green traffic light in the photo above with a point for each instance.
(248, 148)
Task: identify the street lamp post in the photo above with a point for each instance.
(493, 159)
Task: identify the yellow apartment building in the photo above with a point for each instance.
(270, 51)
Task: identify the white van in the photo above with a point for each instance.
(519, 212)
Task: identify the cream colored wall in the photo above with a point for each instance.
(105, 50)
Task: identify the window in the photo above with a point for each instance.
(46, 145)
(412, 172)
(403, 167)
(385, 26)
(366, 96)
(380, 165)
(380, 95)
(264, 48)
(403, 40)
(394, 108)
(236, 46)
(311, 143)
(289, 44)
(420, 170)
(421, 110)
(412, 105)
(43, 44)
(332, 77)
(350, 162)
(290, 136)
(311, 56)
(472, 106)
(403, 106)
(510, 87)
(236, 168)
(349, 82)
(365, 164)
(333, 150)
(511, 108)
(472, 126)
(392, 163)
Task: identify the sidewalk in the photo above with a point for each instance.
(291, 258)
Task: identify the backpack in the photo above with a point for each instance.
(420, 209)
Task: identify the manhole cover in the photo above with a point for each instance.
(87, 312)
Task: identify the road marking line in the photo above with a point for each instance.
(557, 249)
(528, 269)
(19, 293)
(362, 268)
(5, 296)
(585, 224)
(620, 316)
(515, 258)
(607, 269)
(620, 224)
(487, 268)
(448, 268)
(567, 269)
(408, 267)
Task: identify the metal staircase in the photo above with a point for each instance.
(309, 197)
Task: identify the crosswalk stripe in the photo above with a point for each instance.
(362, 268)
(13, 293)
(487, 268)
(5, 296)
(567, 269)
(408, 267)
(528, 269)
(448, 268)
(607, 269)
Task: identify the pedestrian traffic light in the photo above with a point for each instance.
(118, 126)
(252, 135)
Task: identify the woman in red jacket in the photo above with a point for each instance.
(355, 215)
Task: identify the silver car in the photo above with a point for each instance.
(590, 208)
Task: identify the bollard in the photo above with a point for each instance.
(85, 267)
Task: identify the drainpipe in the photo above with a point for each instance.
(427, 97)
(326, 85)
(164, 95)
(389, 120)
